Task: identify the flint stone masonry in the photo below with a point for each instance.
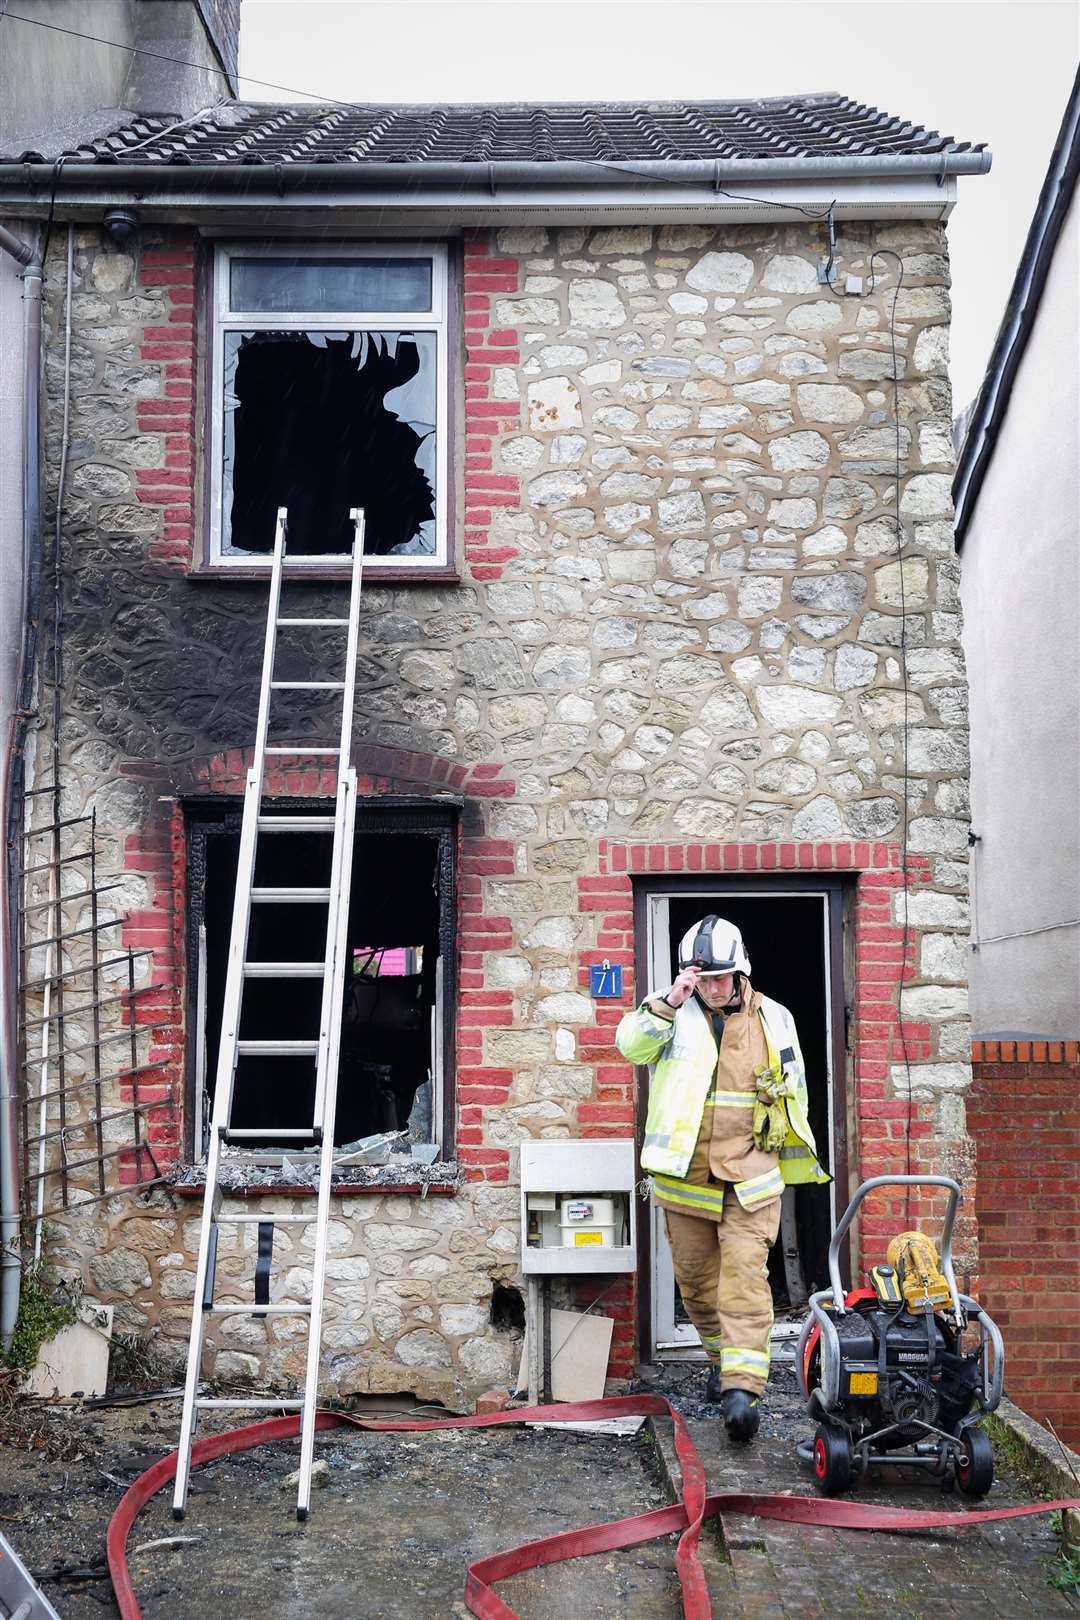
(674, 645)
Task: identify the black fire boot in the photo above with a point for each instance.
(713, 1391)
(741, 1413)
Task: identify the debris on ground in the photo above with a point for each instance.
(320, 1476)
(401, 1515)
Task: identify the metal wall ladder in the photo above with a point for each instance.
(323, 1049)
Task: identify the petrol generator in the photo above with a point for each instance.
(901, 1372)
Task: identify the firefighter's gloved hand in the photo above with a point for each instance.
(770, 1126)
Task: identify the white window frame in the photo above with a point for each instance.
(228, 319)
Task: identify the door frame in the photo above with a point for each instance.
(838, 892)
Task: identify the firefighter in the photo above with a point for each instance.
(726, 1131)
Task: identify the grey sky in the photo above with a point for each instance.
(998, 73)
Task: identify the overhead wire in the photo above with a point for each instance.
(897, 520)
(161, 56)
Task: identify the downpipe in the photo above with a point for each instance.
(12, 777)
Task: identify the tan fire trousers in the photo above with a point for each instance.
(722, 1267)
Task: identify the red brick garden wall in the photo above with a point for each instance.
(1024, 1116)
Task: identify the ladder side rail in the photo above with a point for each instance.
(245, 871)
(326, 1078)
(355, 590)
(230, 1024)
(341, 875)
(330, 1043)
(262, 724)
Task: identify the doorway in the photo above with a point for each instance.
(793, 930)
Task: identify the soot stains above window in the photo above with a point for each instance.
(320, 422)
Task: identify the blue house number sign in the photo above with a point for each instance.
(605, 980)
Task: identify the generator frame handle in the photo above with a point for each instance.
(955, 1199)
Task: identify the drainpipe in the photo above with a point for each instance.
(11, 777)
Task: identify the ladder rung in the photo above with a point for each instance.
(307, 686)
(262, 1220)
(319, 622)
(276, 1049)
(250, 1405)
(255, 1133)
(296, 823)
(291, 751)
(288, 897)
(284, 970)
(244, 1307)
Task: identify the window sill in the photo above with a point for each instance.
(422, 573)
(261, 1181)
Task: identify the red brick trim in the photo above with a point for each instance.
(158, 854)
(1025, 1051)
(884, 1123)
(486, 490)
(171, 485)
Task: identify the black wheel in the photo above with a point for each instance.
(832, 1459)
(975, 1476)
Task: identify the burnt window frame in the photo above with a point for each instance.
(388, 815)
(223, 318)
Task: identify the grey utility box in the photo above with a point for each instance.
(578, 1209)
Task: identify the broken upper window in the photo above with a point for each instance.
(330, 394)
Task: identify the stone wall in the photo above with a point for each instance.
(674, 645)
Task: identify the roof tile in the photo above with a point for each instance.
(601, 132)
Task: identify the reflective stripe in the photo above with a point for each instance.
(755, 1362)
(657, 1139)
(797, 1152)
(759, 1189)
(712, 1341)
(706, 1200)
(731, 1099)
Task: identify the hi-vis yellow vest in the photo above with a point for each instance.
(682, 1059)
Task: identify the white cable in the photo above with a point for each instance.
(51, 951)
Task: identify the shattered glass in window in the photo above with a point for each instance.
(320, 422)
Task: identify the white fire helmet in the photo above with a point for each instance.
(714, 946)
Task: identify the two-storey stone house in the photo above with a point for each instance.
(648, 409)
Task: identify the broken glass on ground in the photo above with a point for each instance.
(321, 422)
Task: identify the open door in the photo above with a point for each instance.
(793, 933)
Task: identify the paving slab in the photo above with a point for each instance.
(766, 1570)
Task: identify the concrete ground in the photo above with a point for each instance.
(390, 1535)
(760, 1570)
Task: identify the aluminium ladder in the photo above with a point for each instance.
(324, 1049)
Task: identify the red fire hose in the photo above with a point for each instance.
(685, 1515)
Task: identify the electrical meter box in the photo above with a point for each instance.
(578, 1210)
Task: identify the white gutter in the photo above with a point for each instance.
(452, 207)
(367, 174)
(472, 192)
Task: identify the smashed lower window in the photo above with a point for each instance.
(396, 1023)
(321, 422)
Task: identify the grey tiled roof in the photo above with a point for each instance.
(818, 126)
